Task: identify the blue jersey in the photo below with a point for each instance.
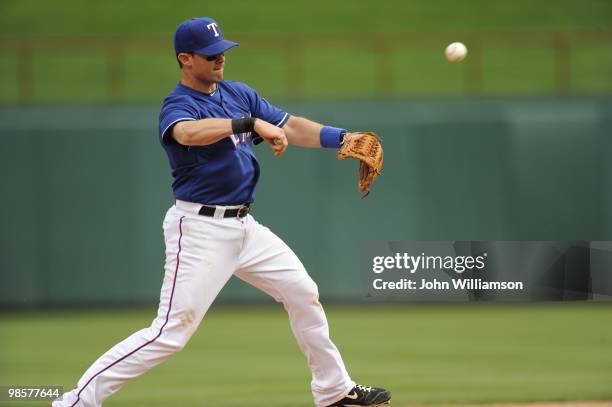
(225, 172)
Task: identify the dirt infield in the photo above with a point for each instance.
(547, 404)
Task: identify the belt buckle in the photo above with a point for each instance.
(243, 210)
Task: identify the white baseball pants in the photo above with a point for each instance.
(202, 253)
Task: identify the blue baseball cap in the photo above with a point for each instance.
(201, 36)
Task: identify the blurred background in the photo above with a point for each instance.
(513, 143)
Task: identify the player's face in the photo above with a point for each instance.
(209, 71)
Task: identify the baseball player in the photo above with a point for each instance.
(207, 127)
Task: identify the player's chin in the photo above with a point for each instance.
(218, 74)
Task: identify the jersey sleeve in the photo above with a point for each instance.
(175, 110)
(262, 109)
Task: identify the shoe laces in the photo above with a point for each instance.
(367, 389)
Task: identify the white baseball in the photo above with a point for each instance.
(456, 51)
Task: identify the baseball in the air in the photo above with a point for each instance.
(456, 51)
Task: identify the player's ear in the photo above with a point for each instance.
(184, 58)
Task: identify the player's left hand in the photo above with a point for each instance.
(366, 147)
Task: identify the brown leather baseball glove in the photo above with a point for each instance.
(366, 147)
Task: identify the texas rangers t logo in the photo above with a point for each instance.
(213, 26)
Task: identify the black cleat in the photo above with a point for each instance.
(364, 396)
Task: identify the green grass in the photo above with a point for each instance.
(248, 357)
(425, 71)
(590, 64)
(413, 67)
(117, 17)
(148, 75)
(513, 70)
(264, 70)
(8, 75)
(68, 76)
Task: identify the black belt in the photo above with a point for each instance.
(229, 213)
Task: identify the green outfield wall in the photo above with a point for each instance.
(85, 189)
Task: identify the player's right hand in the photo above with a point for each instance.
(275, 136)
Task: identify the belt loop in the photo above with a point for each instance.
(219, 212)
